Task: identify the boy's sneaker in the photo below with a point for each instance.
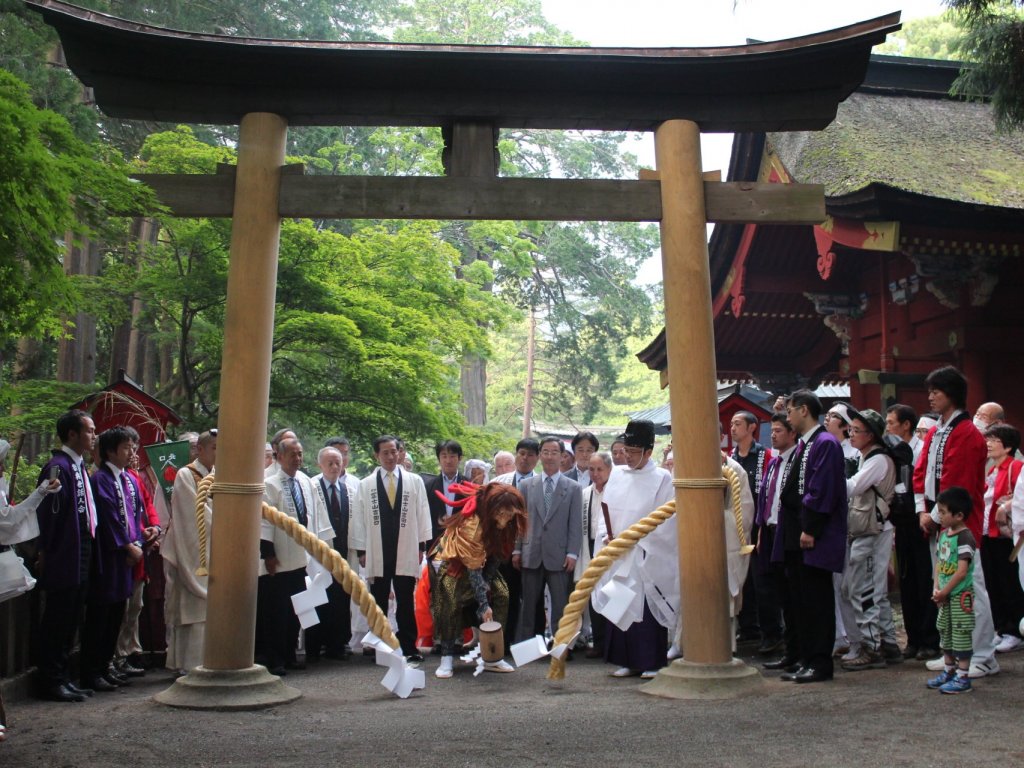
(941, 679)
(959, 684)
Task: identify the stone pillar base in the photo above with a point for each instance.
(234, 689)
(688, 680)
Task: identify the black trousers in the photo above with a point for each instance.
(768, 587)
(334, 631)
(914, 566)
(277, 626)
(1002, 580)
(405, 608)
(814, 606)
(62, 616)
(99, 638)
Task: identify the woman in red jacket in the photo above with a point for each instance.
(1000, 574)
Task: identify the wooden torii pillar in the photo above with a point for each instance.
(813, 74)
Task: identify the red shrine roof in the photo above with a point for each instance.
(900, 151)
(145, 72)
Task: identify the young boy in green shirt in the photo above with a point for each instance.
(954, 590)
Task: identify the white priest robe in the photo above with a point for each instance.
(277, 494)
(185, 592)
(413, 527)
(630, 494)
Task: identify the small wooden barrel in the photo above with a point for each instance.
(492, 641)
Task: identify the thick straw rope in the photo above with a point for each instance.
(327, 557)
(572, 616)
(202, 493)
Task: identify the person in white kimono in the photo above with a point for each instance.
(185, 592)
(634, 642)
(390, 532)
(593, 511)
(283, 562)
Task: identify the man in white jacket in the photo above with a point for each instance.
(389, 532)
(283, 566)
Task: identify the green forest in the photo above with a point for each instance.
(420, 328)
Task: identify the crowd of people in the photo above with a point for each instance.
(836, 498)
(838, 493)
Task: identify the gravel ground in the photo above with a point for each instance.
(345, 717)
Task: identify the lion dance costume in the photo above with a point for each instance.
(478, 537)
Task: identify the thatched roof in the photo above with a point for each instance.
(942, 148)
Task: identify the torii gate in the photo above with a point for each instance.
(139, 71)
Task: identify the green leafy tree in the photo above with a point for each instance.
(54, 183)
(932, 37)
(993, 42)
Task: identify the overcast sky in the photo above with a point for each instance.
(686, 23)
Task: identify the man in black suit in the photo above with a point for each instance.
(449, 455)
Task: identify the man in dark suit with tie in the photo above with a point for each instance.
(332, 635)
(547, 555)
(449, 455)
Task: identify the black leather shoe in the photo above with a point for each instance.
(102, 684)
(295, 665)
(61, 693)
(127, 670)
(784, 664)
(789, 677)
(81, 691)
(116, 679)
(279, 671)
(812, 675)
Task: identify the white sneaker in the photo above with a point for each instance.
(936, 665)
(625, 672)
(446, 669)
(498, 666)
(1009, 644)
(984, 669)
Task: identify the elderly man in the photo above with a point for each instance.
(504, 462)
(283, 562)
(390, 532)
(547, 555)
(185, 592)
(594, 510)
(332, 635)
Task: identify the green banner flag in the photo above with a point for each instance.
(166, 459)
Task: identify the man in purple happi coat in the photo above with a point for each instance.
(811, 540)
(118, 548)
(67, 525)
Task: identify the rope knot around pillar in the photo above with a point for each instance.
(699, 482)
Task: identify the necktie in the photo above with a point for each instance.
(770, 498)
(335, 507)
(549, 491)
(300, 505)
(391, 489)
(90, 505)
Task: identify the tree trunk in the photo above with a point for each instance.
(531, 353)
(76, 356)
(144, 233)
(474, 390)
